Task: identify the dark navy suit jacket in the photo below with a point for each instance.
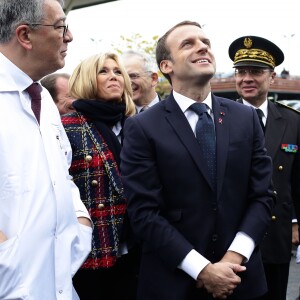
(172, 206)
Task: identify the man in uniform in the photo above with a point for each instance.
(254, 60)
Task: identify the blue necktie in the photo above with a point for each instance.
(205, 134)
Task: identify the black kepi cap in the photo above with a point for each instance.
(255, 51)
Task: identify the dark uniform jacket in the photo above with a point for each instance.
(282, 136)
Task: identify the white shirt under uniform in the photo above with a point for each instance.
(39, 203)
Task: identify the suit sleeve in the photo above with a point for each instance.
(145, 200)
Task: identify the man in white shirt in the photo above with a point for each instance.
(45, 230)
(144, 77)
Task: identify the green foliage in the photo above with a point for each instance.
(138, 43)
(163, 87)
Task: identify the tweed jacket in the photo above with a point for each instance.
(96, 173)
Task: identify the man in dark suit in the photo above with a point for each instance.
(254, 61)
(200, 229)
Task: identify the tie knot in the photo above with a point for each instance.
(144, 108)
(199, 108)
(34, 91)
(259, 112)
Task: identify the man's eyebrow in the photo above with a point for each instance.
(62, 19)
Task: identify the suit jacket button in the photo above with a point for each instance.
(214, 237)
(88, 158)
(94, 182)
(101, 206)
(280, 168)
(273, 218)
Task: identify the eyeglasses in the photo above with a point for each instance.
(134, 76)
(253, 72)
(64, 27)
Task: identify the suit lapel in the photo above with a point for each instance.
(221, 120)
(182, 128)
(275, 129)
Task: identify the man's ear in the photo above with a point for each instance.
(154, 77)
(166, 66)
(23, 34)
(273, 77)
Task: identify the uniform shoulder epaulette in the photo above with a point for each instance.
(286, 106)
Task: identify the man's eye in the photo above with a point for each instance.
(59, 27)
(134, 75)
(256, 72)
(186, 43)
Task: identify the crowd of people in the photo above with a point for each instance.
(109, 192)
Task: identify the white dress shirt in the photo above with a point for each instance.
(263, 108)
(194, 262)
(39, 202)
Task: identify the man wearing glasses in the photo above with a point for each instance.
(144, 77)
(45, 229)
(254, 60)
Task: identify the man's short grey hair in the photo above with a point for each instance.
(149, 63)
(16, 12)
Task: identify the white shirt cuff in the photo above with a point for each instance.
(193, 264)
(243, 244)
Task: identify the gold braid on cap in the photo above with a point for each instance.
(254, 55)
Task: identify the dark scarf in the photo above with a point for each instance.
(104, 115)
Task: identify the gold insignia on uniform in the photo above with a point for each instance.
(248, 43)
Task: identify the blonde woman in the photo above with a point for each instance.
(103, 89)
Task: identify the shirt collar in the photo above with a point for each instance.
(185, 102)
(263, 107)
(18, 79)
(154, 101)
(117, 128)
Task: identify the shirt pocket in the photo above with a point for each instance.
(11, 283)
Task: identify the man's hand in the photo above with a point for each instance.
(233, 257)
(295, 234)
(3, 237)
(84, 221)
(220, 279)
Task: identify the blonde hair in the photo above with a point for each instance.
(83, 81)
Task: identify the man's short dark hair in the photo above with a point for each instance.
(49, 82)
